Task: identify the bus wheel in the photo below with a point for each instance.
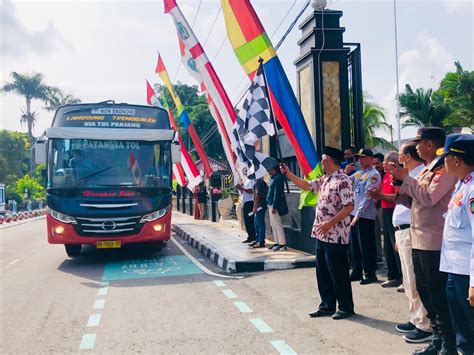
(73, 249)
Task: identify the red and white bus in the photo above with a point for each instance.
(109, 175)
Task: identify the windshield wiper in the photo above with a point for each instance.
(90, 176)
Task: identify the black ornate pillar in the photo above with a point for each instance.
(323, 81)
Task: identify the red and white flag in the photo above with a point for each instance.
(198, 65)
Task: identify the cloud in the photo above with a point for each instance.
(424, 66)
(458, 6)
(18, 40)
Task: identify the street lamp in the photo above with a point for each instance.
(399, 127)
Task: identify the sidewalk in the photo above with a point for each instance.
(222, 243)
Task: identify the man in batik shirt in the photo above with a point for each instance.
(331, 229)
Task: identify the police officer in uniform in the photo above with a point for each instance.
(362, 242)
(428, 196)
(457, 251)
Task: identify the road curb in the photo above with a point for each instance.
(20, 222)
(230, 265)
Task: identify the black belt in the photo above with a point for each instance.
(402, 227)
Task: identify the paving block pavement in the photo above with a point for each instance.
(222, 244)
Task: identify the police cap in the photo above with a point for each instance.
(458, 144)
(364, 152)
(430, 133)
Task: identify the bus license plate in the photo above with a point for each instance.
(109, 244)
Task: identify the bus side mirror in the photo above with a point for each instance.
(40, 152)
(175, 153)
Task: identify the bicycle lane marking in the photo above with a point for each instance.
(136, 268)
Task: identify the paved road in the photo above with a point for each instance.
(130, 301)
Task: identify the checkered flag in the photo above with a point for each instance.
(254, 122)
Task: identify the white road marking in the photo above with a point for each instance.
(219, 283)
(229, 293)
(13, 262)
(260, 324)
(88, 341)
(104, 283)
(282, 347)
(102, 291)
(242, 306)
(199, 265)
(99, 304)
(94, 320)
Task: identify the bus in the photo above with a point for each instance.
(109, 175)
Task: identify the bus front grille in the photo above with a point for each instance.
(108, 226)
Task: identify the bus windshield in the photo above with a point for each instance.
(85, 163)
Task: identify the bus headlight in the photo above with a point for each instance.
(150, 217)
(61, 217)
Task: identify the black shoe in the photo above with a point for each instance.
(391, 283)
(368, 280)
(252, 243)
(280, 247)
(342, 315)
(256, 245)
(447, 349)
(273, 246)
(407, 327)
(320, 313)
(248, 240)
(431, 349)
(355, 277)
(418, 336)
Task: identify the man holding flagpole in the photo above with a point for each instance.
(331, 229)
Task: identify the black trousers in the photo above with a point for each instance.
(431, 285)
(462, 314)
(332, 276)
(249, 220)
(363, 248)
(391, 256)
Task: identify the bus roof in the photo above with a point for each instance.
(111, 115)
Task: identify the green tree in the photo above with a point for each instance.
(30, 185)
(457, 90)
(31, 87)
(57, 98)
(13, 155)
(422, 108)
(375, 119)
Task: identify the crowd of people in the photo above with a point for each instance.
(422, 198)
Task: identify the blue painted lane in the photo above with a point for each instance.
(150, 267)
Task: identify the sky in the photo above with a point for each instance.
(99, 50)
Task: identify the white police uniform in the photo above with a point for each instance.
(457, 252)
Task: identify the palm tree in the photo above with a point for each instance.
(31, 86)
(422, 108)
(457, 89)
(57, 98)
(374, 118)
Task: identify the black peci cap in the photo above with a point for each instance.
(430, 133)
(334, 153)
(364, 152)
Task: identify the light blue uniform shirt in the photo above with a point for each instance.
(365, 180)
(457, 251)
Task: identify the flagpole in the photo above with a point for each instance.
(272, 118)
